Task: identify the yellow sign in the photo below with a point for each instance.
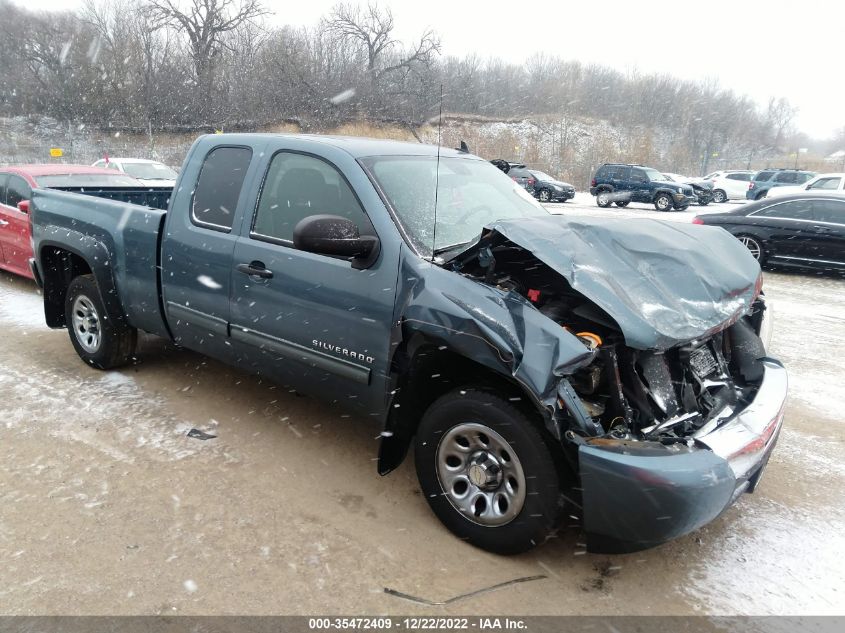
(56, 152)
(218, 131)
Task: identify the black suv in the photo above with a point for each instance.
(769, 178)
(622, 184)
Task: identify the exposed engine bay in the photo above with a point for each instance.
(666, 395)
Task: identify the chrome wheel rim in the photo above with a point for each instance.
(480, 474)
(544, 196)
(663, 203)
(603, 199)
(86, 324)
(718, 197)
(753, 246)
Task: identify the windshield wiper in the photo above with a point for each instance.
(452, 247)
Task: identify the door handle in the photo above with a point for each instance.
(254, 269)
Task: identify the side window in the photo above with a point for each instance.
(606, 173)
(745, 177)
(638, 175)
(802, 178)
(825, 183)
(219, 187)
(17, 190)
(788, 177)
(3, 179)
(99, 163)
(298, 186)
(829, 211)
(794, 210)
(114, 166)
(763, 176)
(622, 173)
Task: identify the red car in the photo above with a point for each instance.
(16, 185)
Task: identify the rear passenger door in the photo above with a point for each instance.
(829, 226)
(790, 229)
(621, 182)
(197, 248)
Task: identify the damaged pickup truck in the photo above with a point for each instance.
(539, 366)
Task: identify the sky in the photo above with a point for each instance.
(759, 48)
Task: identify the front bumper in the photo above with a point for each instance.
(563, 195)
(640, 494)
(683, 200)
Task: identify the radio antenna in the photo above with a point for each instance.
(437, 176)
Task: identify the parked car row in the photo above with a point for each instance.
(756, 185)
(541, 185)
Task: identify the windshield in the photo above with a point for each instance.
(149, 171)
(470, 195)
(86, 180)
(655, 176)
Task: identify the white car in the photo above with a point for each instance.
(150, 172)
(730, 184)
(824, 183)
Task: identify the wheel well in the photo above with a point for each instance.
(424, 377)
(59, 268)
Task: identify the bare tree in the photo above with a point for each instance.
(372, 29)
(206, 24)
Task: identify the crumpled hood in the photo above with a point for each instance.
(664, 283)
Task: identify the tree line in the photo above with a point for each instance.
(184, 65)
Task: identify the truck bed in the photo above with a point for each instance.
(100, 224)
(154, 197)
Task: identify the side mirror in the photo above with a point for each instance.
(335, 235)
(23, 206)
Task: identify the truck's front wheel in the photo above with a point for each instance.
(487, 472)
(99, 339)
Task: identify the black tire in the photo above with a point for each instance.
(604, 199)
(663, 202)
(760, 195)
(703, 202)
(622, 203)
(682, 207)
(719, 196)
(525, 456)
(101, 340)
(544, 195)
(755, 246)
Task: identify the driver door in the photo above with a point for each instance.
(303, 319)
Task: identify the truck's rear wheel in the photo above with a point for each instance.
(487, 472)
(99, 339)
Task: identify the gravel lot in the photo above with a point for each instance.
(109, 508)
